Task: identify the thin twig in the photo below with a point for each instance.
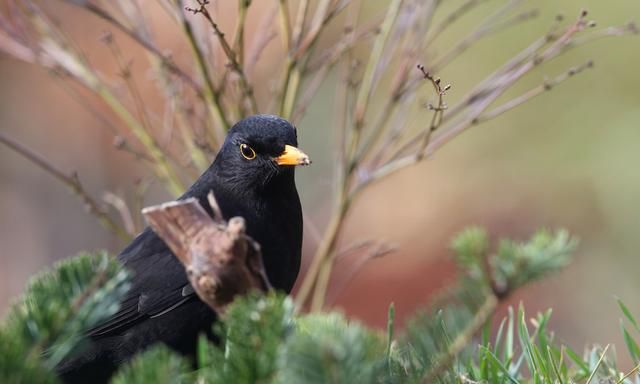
(380, 250)
(56, 54)
(84, 103)
(325, 62)
(71, 181)
(320, 269)
(246, 88)
(438, 110)
(164, 59)
(482, 97)
(328, 60)
(214, 101)
(162, 167)
(285, 24)
(595, 369)
(628, 374)
(548, 85)
(238, 35)
(123, 210)
(451, 19)
(399, 94)
(298, 27)
(296, 61)
(261, 41)
(490, 26)
(178, 111)
(349, 40)
(124, 68)
(476, 106)
(321, 17)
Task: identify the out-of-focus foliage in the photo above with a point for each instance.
(327, 348)
(157, 365)
(261, 339)
(254, 323)
(58, 307)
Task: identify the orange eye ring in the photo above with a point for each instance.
(247, 152)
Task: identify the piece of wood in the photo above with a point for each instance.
(220, 259)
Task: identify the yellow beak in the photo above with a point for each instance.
(292, 156)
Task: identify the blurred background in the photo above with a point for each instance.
(568, 158)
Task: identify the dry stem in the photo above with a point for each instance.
(214, 101)
(72, 182)
(474, 106)
(246, 88)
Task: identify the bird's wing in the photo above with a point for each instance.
(159, 284)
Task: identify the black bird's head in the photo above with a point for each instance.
(259, 151)
(253, 177)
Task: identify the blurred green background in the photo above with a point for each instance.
(568, 158)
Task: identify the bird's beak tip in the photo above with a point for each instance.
(293, 156)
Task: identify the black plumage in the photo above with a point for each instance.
(253, 177)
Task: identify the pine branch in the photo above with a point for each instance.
(157, 365)
(50, 322)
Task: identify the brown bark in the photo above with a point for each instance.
(220, 259)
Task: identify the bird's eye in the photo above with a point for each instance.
(247, 152)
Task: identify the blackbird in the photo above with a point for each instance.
(253, 177)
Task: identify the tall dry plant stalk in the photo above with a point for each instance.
(318, 39)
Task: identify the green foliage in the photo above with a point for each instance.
(18, 365)
(629, 340)
(530, 353)
(514, 264)
(253, 332)
(58, 307)
(262, 340)
(469, 247)
(159, 365)
(327, 348)
(430, 333)
(265, 343)
(517, 264)
(438, 337)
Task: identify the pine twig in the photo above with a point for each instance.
(462, 340)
